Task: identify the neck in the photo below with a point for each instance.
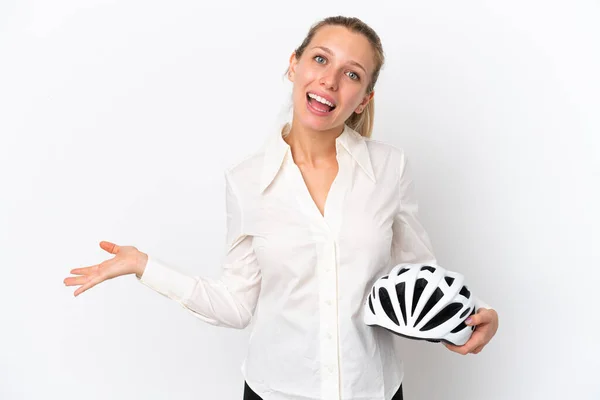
(312, 148)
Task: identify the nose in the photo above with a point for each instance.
(329, 80)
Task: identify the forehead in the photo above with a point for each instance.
(345, 45)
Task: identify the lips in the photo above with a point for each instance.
(318, 107)
(324, 96)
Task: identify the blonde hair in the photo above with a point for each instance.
(363, 122)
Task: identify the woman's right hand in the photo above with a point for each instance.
(127, 260)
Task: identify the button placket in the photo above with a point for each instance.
(329, 319)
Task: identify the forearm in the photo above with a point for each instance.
(228, 302)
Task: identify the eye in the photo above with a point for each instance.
(317, 57)
(356, 76)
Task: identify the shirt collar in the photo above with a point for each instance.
(277, 148)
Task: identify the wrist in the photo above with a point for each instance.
(141, 264)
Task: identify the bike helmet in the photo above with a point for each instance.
(422, 302)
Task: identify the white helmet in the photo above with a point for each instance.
(423, 302)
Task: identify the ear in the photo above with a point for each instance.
(292, 67)
(364, 102)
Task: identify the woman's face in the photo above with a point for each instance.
(337, 65)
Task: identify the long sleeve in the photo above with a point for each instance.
(410, 241)
(229, 301)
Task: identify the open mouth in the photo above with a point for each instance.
(318, 105)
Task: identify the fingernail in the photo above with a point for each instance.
(468, 321)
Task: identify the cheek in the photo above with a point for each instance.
(299, 96)
(360, 96)
(305, 74)
(353, 100)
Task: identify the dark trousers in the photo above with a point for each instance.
(250, 395)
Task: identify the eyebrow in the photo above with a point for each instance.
(328, 51)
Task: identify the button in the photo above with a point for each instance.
(329, 336)
(328, 302)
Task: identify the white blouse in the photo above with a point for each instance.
(302, 278)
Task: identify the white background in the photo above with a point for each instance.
(118, 118)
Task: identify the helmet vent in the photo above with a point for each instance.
(448, 312)
(459, 328)
(465, 292)
(462, 325)
(386, 303)
(428, 268)
(435, 297)
(464, 314)
(449, 280)
(419, 286)
(400, 293)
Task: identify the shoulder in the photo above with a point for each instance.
(386, 157)
(245, 173)
(380, 147)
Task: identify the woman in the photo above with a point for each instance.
(313, 219)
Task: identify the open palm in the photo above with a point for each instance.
(127, 260)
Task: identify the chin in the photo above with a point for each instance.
(314, 123)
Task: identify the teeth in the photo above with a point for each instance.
(320, 99)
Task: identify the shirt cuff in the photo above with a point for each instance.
(480, 304)
(167, 281)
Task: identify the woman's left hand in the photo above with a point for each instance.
(486, 322)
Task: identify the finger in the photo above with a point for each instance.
(475, 345)
(457, 349)
(466, 348)
(110, 247)
(88, 285)
(451, 346)
(75, 281)
(481, 317)
(85, 270)
(478, 349)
